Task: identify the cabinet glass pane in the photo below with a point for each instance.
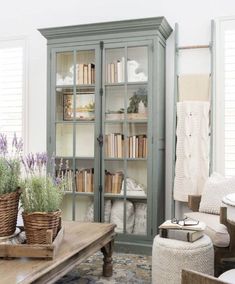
(64, 168)
(84, 176)
(115, 65)
(84, 208)
(84, 140)
(114, 212)
(64, 139)
(107, 209)
(136, 178)
(114, 140)
(64, 68)
(67, 207)
(84, 104)
(137, 64)
(137, 141)
(139, 226)
(137, 102)
(113, 180)
(85, 67)
(114, 102)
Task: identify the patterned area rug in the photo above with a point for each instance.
(127, 268)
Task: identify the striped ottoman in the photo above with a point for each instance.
(169, 257)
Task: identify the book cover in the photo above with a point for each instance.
(108, 182)
(85, 74)
(169, 225)
(181, 235)
(79, 181)
(119, 72)
(89, 73)
(80, 74)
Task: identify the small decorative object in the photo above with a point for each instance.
(9, 184)
(138, 103)
(41, 198)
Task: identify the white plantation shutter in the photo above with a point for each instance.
(229, 102)
(12, 88)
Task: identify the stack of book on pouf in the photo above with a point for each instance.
(187, 230)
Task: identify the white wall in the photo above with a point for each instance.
(23, 18)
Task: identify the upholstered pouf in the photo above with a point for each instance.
(169, 257)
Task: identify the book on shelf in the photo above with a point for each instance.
(181, 235)
(114, 145)
(115, 71)
(113, 182)
(85, 73)
(85, 180)
(137, 145)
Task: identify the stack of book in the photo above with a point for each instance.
(85, 180)
(115, 71)
(182, 233)
(114, 145)
(137, 146)
(113, 182)
(86, 73)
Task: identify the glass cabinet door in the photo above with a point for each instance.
(125, 128)
(75, 88)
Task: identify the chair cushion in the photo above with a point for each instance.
(228, 276)
(215, 188)
(216, 231)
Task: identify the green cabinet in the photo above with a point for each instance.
(106, 123)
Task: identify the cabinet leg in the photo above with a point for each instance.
(107, 251)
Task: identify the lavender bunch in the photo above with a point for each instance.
(42, 192)
(10, 163)
(35, 164)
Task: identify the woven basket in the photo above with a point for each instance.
(36, 225)
(8, 213)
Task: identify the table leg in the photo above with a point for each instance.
(107, 251)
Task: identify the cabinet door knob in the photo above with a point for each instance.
(100, 139)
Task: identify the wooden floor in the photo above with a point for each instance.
(81, 240)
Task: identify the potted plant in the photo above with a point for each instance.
(9, 184)
(138, 100)
(41, 198)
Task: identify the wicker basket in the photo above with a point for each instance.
(36, 225)
(8, 213)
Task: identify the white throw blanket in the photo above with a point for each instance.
(192, 149)
(194, 87)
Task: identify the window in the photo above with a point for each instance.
(12, 88)
(225, 97)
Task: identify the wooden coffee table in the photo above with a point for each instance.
(81, 240)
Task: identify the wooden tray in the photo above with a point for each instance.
(47, 251)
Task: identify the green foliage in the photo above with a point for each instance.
(41, 194)
(9, 175)
(139, 96)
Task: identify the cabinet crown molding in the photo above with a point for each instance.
(156, 24)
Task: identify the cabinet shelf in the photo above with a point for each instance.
(110, 121)
(77, 121)
(84, 86)
(71, 157)
(120, 196)
(122, 159)
(84, 193)
(128, 84)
